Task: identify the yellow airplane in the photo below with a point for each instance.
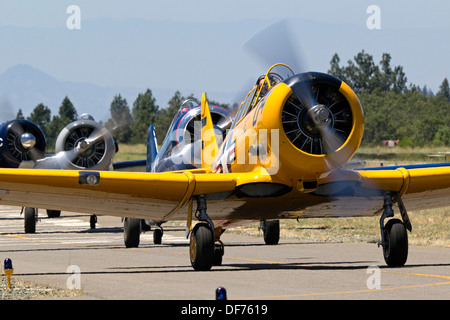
(282, 158)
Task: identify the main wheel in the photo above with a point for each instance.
(396, 250)
(201, 248)
(30, 220)
(271, 230)
(131, 232)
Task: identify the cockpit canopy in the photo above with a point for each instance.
(186, 106)
(181, 148)
(276, 74)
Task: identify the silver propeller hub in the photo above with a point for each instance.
(28, 140)
(83, 145)
(320, 115)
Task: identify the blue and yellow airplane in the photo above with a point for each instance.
(281, 158)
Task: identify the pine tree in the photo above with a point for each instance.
(120, 121)
(444, 90)
(362, 74)
(335, 69)
(398, 80)
(143, 113)
(165, 116)
(19, 115)
(41, 117)
(67, 111)
(66, 114)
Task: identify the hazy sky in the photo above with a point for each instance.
(395, 14)
(35, 33)
(398, 13)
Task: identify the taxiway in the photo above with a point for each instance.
(251, 270)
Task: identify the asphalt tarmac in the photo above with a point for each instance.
(66, 253)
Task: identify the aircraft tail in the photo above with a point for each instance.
(152, 147)
(209, 143)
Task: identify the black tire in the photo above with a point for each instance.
(218, 254)
(30, 220)
(395, 252)
(92, 221)
(157, 236)
(201, 248)
(271, 230)
(53, 213)
(131, 232)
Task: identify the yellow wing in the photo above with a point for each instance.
(232, 196)
(125, 194)
(420, 186)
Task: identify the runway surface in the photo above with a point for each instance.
(64, 250)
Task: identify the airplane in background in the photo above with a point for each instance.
(180, 150)
(282, 158)
(82, 144)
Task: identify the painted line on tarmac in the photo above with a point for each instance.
(349, 292)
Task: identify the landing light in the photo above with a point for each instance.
(8, 264)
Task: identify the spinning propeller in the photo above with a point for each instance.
(317, 118)
(21, 141)
(83, 144)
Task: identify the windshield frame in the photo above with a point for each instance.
(275, 74)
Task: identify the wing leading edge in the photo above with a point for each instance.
(421, 186)
(160, 196)
(131, 194)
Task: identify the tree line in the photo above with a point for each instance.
(393, 109)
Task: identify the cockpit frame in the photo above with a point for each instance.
(276, 74)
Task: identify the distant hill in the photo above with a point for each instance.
(24, 87)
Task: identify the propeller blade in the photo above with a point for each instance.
(276, 44)
(58, 161)
(96, 135)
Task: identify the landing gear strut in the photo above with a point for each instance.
(394, 238)
(202, 249)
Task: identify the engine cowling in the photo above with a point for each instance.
(320, 122)
(20, 140)
(85, 144)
